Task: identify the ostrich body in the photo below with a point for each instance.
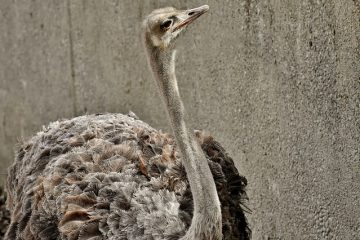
(112, 176)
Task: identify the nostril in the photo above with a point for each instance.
(191, 13)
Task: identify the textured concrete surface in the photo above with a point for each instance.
(277, 82)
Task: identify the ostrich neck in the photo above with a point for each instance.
(206, 201)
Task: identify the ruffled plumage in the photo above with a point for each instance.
(111, 176)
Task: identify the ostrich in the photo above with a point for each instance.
(112, 176)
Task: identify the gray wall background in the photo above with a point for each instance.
(277, 83)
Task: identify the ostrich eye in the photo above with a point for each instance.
(166, 24)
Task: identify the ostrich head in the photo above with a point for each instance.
(164, 25)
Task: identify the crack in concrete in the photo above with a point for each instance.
(72, 60)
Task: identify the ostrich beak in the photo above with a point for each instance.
(188, 16)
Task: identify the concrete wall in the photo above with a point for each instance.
(277, 82)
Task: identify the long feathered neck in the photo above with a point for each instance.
(206, 222)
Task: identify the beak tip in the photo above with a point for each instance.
(206, 8)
